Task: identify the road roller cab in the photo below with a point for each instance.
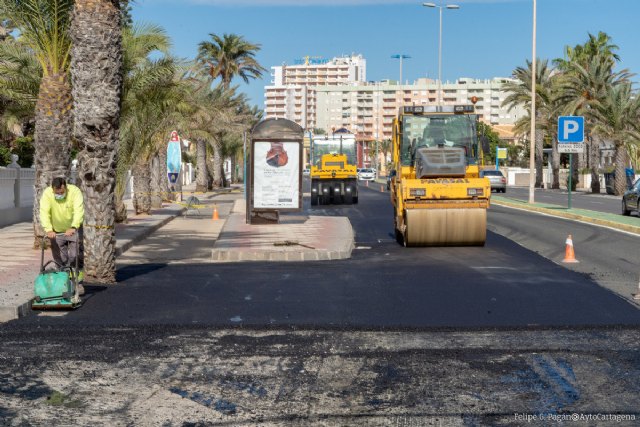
(438, 196)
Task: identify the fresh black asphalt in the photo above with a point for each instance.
(383, 286)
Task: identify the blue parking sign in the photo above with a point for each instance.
(571, 129)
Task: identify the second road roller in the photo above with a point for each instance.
(438, 196)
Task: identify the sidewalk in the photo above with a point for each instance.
(298, 237)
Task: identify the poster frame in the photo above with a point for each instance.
(252, 173)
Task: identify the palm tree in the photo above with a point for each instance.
(520, 94)
(43, 27)
(616, 118)
(385, 147)
(600, 45)
(149, 98)
(229, 56)
(587, 77)
(216, 113)
(96, 70)
(582, 88)
(20, 77)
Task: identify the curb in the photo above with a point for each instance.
(8, 312)
(568, 215)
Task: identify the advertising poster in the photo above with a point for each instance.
(174, 158)
(276, 175)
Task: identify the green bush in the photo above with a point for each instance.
(5, 156)
(25, 150)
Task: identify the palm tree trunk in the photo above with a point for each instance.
(52, 139)
(163, 183)
(583, 161)
(121, 208)
(210, 174)
(620, 183)
(539, 158)
(555, 161)
(217, 163)
(96, 70)
(594, 163)
(241, 169)
(201, 166)
(156, 182)
(142, 188)
(234, 172)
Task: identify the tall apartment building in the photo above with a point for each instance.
(292, 93)
(368, 109)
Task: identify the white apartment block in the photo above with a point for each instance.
(292, 93)
(368, 109)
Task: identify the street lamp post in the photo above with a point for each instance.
(448, 6)
(401, 56)
(532, 150)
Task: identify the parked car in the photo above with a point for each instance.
(306, 172)
(498, 181)
(366, 174)
(631, 199)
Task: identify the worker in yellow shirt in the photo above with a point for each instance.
(61, 216)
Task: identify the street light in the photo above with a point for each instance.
(401, 57)
(532, 151)
(448, 6)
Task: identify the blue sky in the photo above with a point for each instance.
(483, 39)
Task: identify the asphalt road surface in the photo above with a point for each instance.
(498, 335)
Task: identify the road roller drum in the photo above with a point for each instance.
(445, 227)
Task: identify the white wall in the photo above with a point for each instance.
(16, 195)
(22, 211)
(7, 183)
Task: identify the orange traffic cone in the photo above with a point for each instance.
(215, 213)
(569, 255)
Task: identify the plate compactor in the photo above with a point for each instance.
(56, 288)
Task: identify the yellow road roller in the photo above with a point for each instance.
(334, 176)
(438, 196)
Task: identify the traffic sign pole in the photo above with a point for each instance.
(570, 140)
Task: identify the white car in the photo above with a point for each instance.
(306, 172)
(366, 174)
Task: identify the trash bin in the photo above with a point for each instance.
(630, 173)
(609, 179)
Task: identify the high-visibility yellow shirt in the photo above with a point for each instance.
(61, 215)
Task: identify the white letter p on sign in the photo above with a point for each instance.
(570, 126)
